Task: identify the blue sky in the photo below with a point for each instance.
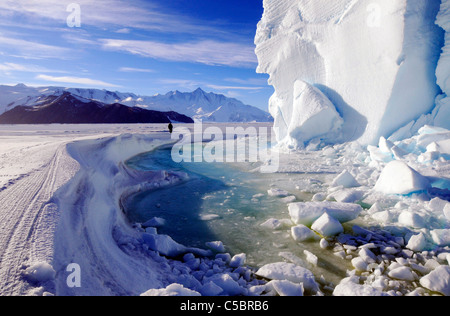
(140, 46)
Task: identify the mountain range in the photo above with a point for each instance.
(30, 105)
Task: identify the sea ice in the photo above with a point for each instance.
(402, 273)
(398, 178)
(286, 288)
(417, 242)
(227, 284)
(154, 222)
(238, 260)
(438, 280)
(302, 233)
(164, 244)
(171, 290)
(327, 226)
(289, 272)
(350, 287)
(346, 180)
(278, 192)
(307, 213)
(216, 246)
(441, 237)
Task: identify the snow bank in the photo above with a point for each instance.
(373, 64)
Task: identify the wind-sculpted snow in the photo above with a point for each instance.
(375, 61)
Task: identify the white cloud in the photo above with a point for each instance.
(120, 14)
(205, 52)
(77, 80)
(32, 50)
(11, 67)
(130, 69)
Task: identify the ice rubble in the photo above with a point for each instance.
(363, 70)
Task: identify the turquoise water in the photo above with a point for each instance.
(224, 202)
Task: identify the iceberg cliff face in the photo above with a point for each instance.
(442, 118)
(374, 61)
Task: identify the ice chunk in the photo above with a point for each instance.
(164, 244)
(438, 280)
(441, 237)
(326, 225)
(346, 180)
(216, 246)
(229, 286)
(289, 272)
(286, 288)
(307, 213)
(277, 192)
(347, 195)
(302, 233)
(367, 255)
(155, 222)
(402, 273)
(417, 242)
(438, 205)
(238, 260)
(382, 217)
(385, 145)
(274, 224)
(289, 199)
(40, 272)
(359, 264)
(447, 211)
(210, 289)
(351, 287)
(172, 290)
(398, 178)
(311, 258)
(411, 219)
(313, 115)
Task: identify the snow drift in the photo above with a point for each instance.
(374, 62)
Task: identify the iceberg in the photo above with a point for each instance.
(362, 69)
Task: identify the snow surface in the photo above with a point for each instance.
(374, 65)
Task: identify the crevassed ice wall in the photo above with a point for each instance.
(373, 60)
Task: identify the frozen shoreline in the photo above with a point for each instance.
(75, 217)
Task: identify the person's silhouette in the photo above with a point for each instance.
(170, 128)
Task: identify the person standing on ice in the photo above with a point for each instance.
(170, 128)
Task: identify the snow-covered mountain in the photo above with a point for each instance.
(199, 105)
(71, 109)
(365, 69)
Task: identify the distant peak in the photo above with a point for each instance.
(21, 85)
(199, 90)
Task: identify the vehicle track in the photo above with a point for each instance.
(23, 208)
